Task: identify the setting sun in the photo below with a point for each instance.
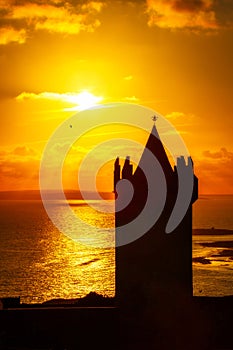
(84, 100)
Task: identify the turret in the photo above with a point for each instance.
(127, 170)
(117, 173)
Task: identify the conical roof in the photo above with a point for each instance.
(154, 144)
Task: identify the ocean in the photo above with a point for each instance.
(39, 263)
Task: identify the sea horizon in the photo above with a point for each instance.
(39, 263)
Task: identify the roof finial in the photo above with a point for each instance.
(154, 118)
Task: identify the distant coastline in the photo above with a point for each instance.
(212, 231)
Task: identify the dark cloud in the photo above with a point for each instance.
(21, 151)
(215, 171)
(178, 14)
(19, 168)
(3, 12)
(190, 5)
(201, 260)
(224, 13)
(24, 151)
(209, 15)
(222, 153)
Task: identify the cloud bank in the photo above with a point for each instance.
(19, 18)
(19, 168)
(181, 14)
(194, 15)
(215, 171)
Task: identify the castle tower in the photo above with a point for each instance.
(157, 264)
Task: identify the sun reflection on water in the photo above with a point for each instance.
(38, 263)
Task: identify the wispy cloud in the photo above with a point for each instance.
(175, 115)
(80, 100)
(11, 35)
(131, 99)
(66, 97)
(174, 132)
(182, 119)
(20, 18)
(128, 77)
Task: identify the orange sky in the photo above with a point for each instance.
(173, 56)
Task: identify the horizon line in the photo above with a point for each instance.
(87, 191)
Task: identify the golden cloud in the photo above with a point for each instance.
(180, 117)
(66, 17)
(69, 97)
(81, 100)
(11, 35)
(175, 115)
(131, 99)
(177, 14)
(93, 6)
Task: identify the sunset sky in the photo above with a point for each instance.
(174, 56)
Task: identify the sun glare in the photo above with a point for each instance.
(84, 100)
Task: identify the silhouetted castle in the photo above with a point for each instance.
(158, 264)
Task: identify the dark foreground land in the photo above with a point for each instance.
(196, 324)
